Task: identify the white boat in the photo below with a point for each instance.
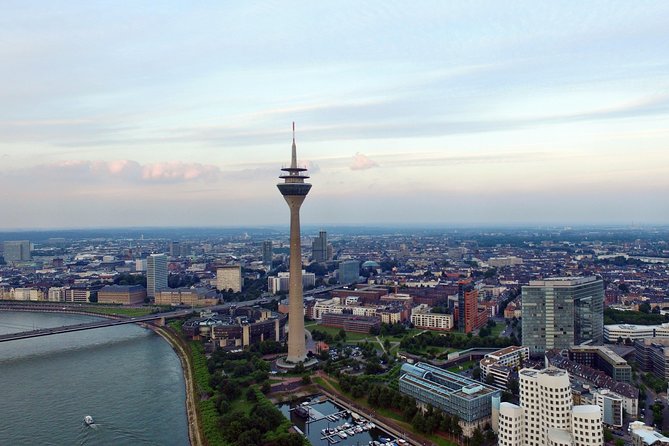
(88, 420)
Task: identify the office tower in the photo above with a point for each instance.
(546, 415)
(467, 306)
(267, 252)
(561, 312)
(319, 247)
(229, 277)
(349, 271)
(175, 249)
(16, 251)
(294, 191)
(156, 274)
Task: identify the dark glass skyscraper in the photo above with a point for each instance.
(561, 312)
(319, 247)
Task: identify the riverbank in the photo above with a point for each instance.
(194, 429)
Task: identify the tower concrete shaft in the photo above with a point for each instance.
(294, 191)
(297, 350)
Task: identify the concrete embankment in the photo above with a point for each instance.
(194, 430)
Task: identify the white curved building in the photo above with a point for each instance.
(586, 422)
(546, 415)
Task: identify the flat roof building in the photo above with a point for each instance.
(229, 277)
(455, 394)
(122, 294)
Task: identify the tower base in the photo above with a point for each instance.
(283, 363)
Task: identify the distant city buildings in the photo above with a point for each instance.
(546, 415)
(229, 277)
(156, 274)
(562, 312)
(16, 251)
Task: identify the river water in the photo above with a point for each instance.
(126, 377)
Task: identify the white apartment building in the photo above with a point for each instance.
(229, 277)
(611, 405)
(56, 294)
(423, 319)
(281, 282)
(32, 294)
(499, 363)
(546, 414)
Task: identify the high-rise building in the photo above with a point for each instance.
(467, 306)
(267, 252)
(546, 415)
(319, 247)
(16, 251)
(349, 271)
(156, 274)
(561, 312)
(229, 277)
(175, 249)
(294, 191)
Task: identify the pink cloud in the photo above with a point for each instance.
(168, 172)
(362, 162)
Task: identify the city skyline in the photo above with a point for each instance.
(443, 114)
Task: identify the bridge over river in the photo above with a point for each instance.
(117, 320)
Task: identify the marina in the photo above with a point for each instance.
(325, 423)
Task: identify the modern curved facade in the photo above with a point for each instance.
(546, 415)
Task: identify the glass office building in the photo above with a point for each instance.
(457, 395)
(562, 312)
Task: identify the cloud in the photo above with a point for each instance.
(132, 171)
(362, 162)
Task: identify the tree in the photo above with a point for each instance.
(477, 437)
(490, 379)
(513, 386)
(342, 334)
(476, 373)
(608, 435)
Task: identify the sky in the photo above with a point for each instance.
(446, 113)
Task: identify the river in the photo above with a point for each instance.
(126, 377)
